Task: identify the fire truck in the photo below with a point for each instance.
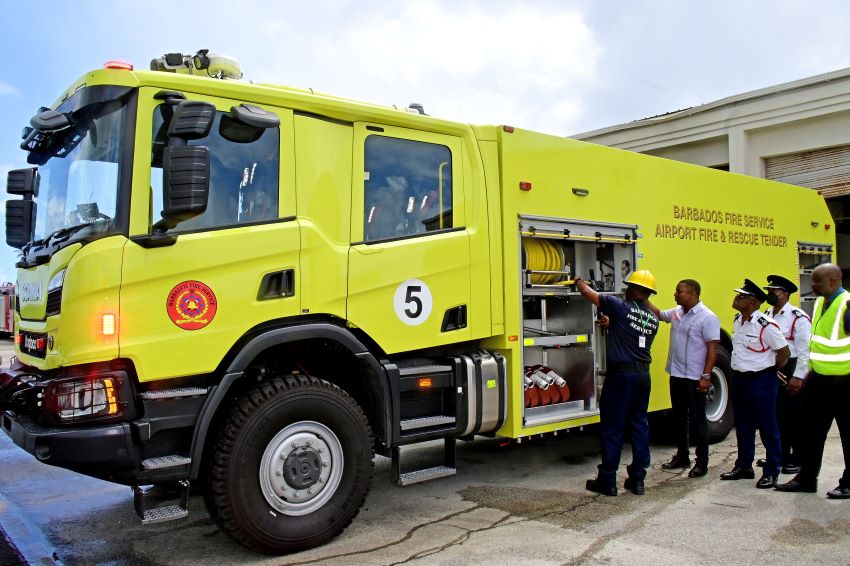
(256, 289)
(7, 309)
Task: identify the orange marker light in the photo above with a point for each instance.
(19, 339)
(123, 65)
(108, 324)
(425, 382)
(513, 338)
(112, 401)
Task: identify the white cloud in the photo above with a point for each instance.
(8, 90)
(467, 62)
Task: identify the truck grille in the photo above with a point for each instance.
(54, 301)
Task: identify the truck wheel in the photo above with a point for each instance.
(718, 400)
(292, 465)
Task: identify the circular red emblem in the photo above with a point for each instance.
(191, 305)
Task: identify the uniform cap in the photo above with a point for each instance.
(779, 282)
(750, 288)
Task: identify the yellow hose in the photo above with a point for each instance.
(541, 255)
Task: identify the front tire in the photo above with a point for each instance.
(718, 400)
(292, 465)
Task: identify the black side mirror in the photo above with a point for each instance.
(192, 120)
(49, 121)
(186, 178)
(186, 168)
(20, 220)
(23, 182)
(246, 123)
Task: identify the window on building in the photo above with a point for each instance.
(243, 174)
(407, 189)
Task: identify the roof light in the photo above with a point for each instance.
(123, 65)
(509, 129)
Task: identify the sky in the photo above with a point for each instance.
(560, 67)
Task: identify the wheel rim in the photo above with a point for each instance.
(717, 397)
(301, 468)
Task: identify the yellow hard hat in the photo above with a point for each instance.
(642, 278)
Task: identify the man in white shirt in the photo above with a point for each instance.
(758, 351)
(694, 337)
(796, 326)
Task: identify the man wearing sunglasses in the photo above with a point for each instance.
(758, 351)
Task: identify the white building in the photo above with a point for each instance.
(798, 133)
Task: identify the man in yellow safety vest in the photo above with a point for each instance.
(827, 383)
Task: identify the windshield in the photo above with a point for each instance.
(79, 172)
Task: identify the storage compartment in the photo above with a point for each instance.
(809, 256)
(563, 347)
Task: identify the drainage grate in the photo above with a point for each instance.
(9, 555)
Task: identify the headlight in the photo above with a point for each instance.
(102, 397)
(57, 280)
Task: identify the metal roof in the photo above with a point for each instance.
(728, 101)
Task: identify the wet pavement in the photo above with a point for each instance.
(508, 504)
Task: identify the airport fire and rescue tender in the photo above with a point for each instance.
(256, 288)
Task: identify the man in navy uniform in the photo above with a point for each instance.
(796, 327)
(625, 393)
(758, 351)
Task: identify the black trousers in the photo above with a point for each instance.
(789, 413)
(827, 399)
(689, 405)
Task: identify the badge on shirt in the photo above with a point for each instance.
(641, 341)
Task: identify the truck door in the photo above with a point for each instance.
(183, 306)
(409, 263)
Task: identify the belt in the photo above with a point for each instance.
(758, 372)
(628, 366)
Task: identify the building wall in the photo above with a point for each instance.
(738, 133)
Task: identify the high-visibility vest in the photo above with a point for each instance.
(829, 343)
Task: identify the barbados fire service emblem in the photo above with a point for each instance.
(191, 305)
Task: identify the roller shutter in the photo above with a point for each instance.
(827, 170)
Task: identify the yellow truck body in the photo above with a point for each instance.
(349, 253)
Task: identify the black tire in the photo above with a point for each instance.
(260, 429)
(718, 402)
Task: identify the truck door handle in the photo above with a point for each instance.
(276, 285)
(368, 250)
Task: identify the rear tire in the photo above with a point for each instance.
(292, 465)
(718, 400)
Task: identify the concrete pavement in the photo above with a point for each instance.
(508, 504)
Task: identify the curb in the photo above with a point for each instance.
(28, 540)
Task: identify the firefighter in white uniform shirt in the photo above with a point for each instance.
(758, 350)
(796, 326)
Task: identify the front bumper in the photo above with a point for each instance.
(105, 451)
(113, 450)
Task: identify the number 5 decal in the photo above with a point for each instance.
(412, 302)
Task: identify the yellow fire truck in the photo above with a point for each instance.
(256, 288)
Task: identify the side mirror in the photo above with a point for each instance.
(23, 182)
(192, 120)
(246, 123)
(186, 168)
(49, 121)
(186, 181)
(20, 220)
